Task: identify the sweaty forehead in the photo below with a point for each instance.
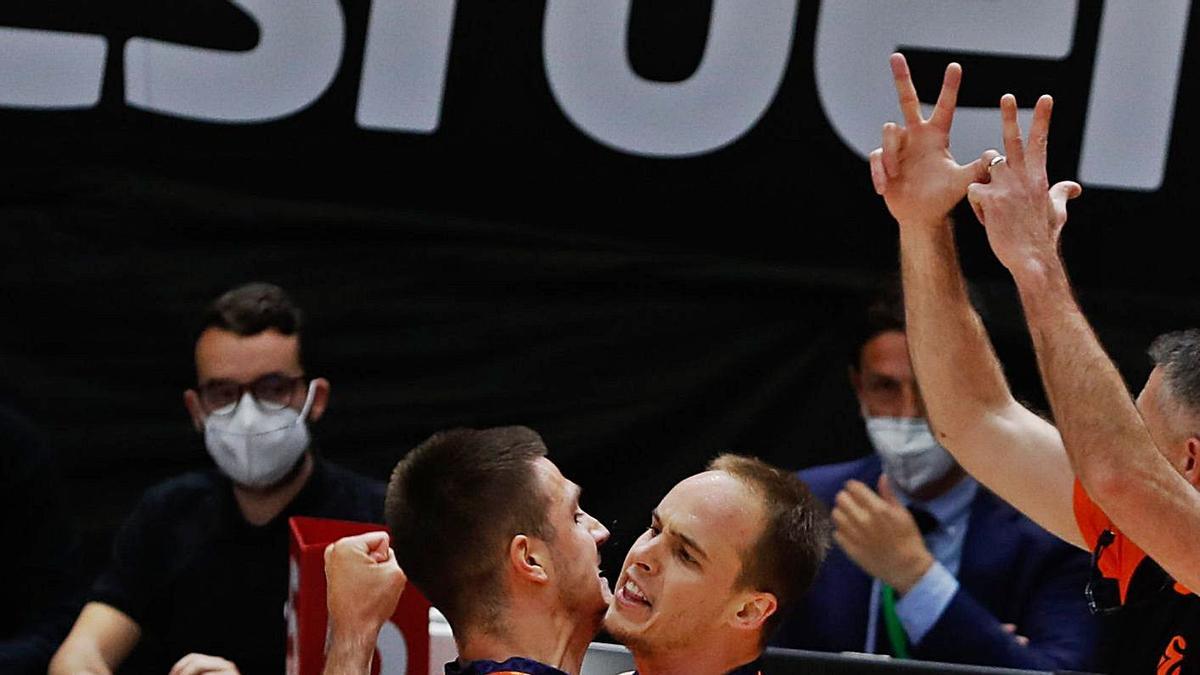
(715, 509)
(225, 355)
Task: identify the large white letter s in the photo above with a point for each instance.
(296, 59)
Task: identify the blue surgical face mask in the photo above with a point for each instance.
(911, 457)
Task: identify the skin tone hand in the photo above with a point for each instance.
(913, 170)
(880, 535)
(1011, 629)
(1023, 216)
(364, 582)
(203, 664)
(364, 585)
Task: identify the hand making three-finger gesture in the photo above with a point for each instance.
(913, 170)
(1023, 216)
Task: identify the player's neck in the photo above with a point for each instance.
(550, 635)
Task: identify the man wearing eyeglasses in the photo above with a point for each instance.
(199, 573)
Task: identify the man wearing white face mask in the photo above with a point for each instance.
(928, 564)
(199, 573)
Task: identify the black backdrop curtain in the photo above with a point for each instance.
(643, 312)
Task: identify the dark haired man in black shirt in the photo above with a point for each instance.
(199, 572)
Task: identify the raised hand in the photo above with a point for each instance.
(1023, 216)
(364, 584)
(913, 170)
(879, 534)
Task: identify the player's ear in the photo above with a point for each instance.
(528, 558)
(754, 610)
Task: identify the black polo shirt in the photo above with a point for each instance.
(196, 577)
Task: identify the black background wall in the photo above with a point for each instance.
(643, 313)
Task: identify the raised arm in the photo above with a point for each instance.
(1109, 445)
(364, 585)
(1014, 452)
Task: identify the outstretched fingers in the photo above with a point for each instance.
(1039, 132)
(1014, 150)
(906, 93)
(943, 110)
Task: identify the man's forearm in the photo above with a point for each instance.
(72, 659)
(349, 654)
(1091, 404)
(1108, 444)
(967, 398)
(959, 374)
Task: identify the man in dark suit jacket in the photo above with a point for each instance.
(929, 564)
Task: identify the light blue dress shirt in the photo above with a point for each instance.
(924, 603)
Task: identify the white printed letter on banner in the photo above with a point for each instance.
(749, 45)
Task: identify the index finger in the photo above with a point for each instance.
(906, 93)
(1014, 151)
(860, 492)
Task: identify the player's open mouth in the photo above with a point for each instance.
(632, 594)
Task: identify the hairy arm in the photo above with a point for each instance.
(349, 654)
(364, 585)
(1113, 454)
(1106, 439)
(100, 640)
(1012, 451)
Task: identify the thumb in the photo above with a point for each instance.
(975, 199)
(377, 546)
(1063, 192)
(886, 491)
(1059, 195)
(978, 171)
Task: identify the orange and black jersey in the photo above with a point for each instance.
(1158, 625)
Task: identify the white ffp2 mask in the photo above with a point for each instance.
(257, 447)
